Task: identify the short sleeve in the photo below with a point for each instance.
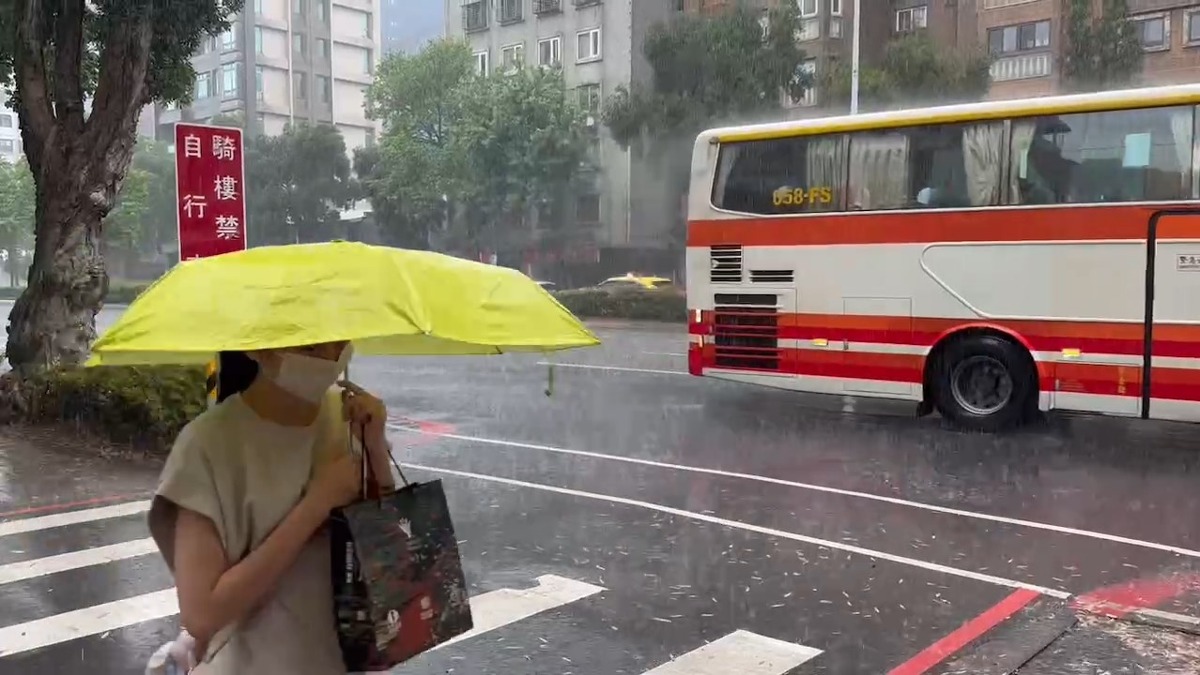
(187, 482)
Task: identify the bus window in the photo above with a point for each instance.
(940, 166)
(778, 176)
(1119, 156)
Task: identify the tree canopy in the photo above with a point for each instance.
(914, 71)
(17, 205)
(119, 56)
(1102, 52)
(466, 159)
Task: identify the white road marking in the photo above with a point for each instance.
(749, 527)
(491, 610)
(665, 354)
(1032, 524)
(23, 525)
(31, 569)
(496, 609)
(615, 369)
(740, 652)
(92, 620)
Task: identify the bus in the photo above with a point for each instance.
(984, 260)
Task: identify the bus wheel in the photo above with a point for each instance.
(985, 383)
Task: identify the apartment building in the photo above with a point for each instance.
(598, 46)
(1170, 34)
(10, 131)
(284, 61)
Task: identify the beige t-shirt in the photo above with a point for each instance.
(245, 474)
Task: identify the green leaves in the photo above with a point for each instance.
(1102, 52)
(17, 205)
(915, 71)
(465, 159)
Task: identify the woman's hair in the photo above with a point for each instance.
(235, 372)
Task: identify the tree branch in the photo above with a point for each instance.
(121, 90)
(68, 65)
(37, 112)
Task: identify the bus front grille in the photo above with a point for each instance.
(746, 331)
(725, 264)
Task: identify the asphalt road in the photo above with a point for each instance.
(658, 512)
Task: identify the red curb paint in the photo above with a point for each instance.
(67, 506)
(1120, 600)
(963, 635)
(427, 432)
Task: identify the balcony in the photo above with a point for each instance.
(511, 11)
(585, 3)
(998, 4)
(475, 15)
(1021, 67)
(541, 7)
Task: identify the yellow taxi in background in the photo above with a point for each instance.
(634, 282)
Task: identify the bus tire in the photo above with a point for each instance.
(986, 383)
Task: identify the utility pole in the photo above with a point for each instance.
(856, 46)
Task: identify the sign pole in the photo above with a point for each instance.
(210, 171)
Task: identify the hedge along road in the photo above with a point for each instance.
(655, 512)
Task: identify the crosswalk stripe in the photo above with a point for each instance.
(491, 610)
(92, 620)
(30, 569)
(23, 525)
(740, 652)
(496, 609)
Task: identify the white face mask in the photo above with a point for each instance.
(309, 377)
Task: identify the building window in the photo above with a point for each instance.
(1121, 156)
(589, 98)
(299, 7)
(911, 19)
(1154, 31)
(475, 15)
(1193, 27)
(587, 45)
(258, 40)
(835, 27)
(6, 121)
(229, 80)
(367, 66)
(587, 209)
(835, 7)
(511, 11)
(203, 85)
(228, 41)
(810, 29)
(258, 7)
(323, 48)
(512, 57)
(807, 72)
(258, 82)
(808, 7)
(299, 45)
(300, 86)
(324, 89)
(1020, 38)
(481, 63)
(550, 52)
(322, 10)
(788, 175)
(8, 146)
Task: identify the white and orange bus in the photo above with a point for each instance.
(984, 260)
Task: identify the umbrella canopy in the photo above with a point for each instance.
(387, 301)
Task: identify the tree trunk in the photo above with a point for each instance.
(53, 322)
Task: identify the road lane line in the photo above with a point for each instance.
(67, 506)
(491, 610)
(499, 608)
(23, 525)
(896, 501)
(92, 620)
(101, 555)
(737, 524)
(615, 369)
(740, 652)
(667, 354)
(960, 637)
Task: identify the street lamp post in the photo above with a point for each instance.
(854, 58)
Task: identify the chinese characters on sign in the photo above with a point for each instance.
(209, 185)
(1188, 262)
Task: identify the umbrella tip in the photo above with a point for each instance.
(550, 380)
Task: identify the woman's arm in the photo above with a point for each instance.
(214, 594)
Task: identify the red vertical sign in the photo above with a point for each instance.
(209, 174)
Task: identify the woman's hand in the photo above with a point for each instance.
(337, 483)
(364, 412)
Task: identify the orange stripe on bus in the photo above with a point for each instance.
(1069, 223)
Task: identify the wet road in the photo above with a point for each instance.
(660, 512)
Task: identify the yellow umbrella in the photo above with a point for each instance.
(387, 301)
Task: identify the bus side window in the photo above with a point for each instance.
(781, 176)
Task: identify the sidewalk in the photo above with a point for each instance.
(44, 469)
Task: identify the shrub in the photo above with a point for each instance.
(657, 305)
(145, 406)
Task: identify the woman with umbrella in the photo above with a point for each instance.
(240, 511)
